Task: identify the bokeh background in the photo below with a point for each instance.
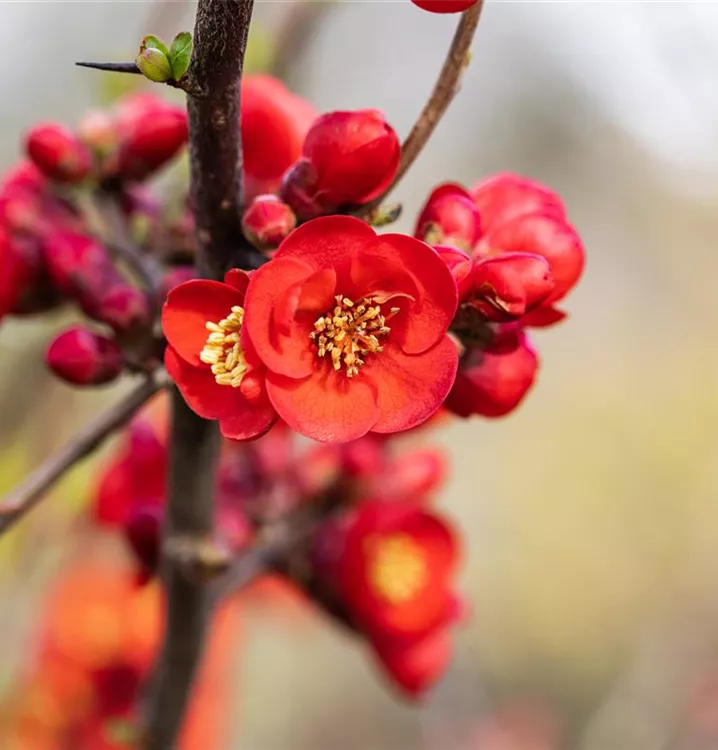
(591, 514)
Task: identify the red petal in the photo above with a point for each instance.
(189, 307)
(411, 388)
(281, 346)
(239, 419)
(436, 297)
(238, 279)
(543, 317)
(327, 406)
(328, 241)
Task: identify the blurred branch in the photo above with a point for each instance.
(25, 497)
(109, 222)
(220, 40)
(296, 30)
(445, 89)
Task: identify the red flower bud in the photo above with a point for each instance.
(444, 6)
(24, 175)
(18, 272)
(493, 383)
(98, 131)
(267, 221)
(460, 265)
(58, 153)
(152, 132)
(365, 457)
(82, 357)
(449, 217)
(121, 306)
(300, 191)
(274, 123)
(78, 265)
(505, 196)
(507, 286)
(355, 155)
(142, 529)
(174, 277)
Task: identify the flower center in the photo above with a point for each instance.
(397, 569)
(349, 332)
(223, 350)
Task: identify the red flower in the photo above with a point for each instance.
(522, 216)
(212, 360)
(274, 123)
(396, 570)
(494, 382)
(348, 158)
(352, 329)
(449, 217)
(444, 6)
(460, 265)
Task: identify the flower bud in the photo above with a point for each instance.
(18, 272)
(493, 384)
(123, 307)
(300, 191)
(24, 175)
(58, 153)
(460, 265)
(97, 130)
(444, 6)
(449, 217)
(355, 155)
(81, 357)
(142, 529)
(274, 123)
(78, 265)
(507, 286)
(267, 221)
(152, 132)
(154, 64)
(365, 458)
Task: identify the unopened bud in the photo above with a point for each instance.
(82, 357)
(267, 221)
(123, 307)
(58, 153)
(154, 64)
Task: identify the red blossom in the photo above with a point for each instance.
(274, 123)
(449, 217)
(348, 158)
(351, 327)
(58, 153)
(493, 383)
(444, 6)
(507, 286)
(267, 221)
(82, 357)
(212, 360)
(396, 571)
(460, 265)
(520, 215)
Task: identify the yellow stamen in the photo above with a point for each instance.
(223, 350)
(397, 567)
(349, 332)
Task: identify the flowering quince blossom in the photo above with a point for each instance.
(211, 358)
(444, 6)
(351, 328)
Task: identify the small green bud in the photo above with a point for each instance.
(180, 54)
(154, 65)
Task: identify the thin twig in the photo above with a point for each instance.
(111, 225)
(25, 497)
(220, 39)
(445, 89)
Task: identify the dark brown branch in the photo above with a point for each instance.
(445, 89)
(220, 39)
(25, 497)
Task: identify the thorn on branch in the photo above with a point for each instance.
(186, 83)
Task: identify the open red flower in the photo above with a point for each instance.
(351, 327)
(212, 360)
(396, 571)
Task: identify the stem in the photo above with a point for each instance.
(220, 39)
(445, 89)
(25, 497)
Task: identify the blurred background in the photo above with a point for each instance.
(591, 514)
